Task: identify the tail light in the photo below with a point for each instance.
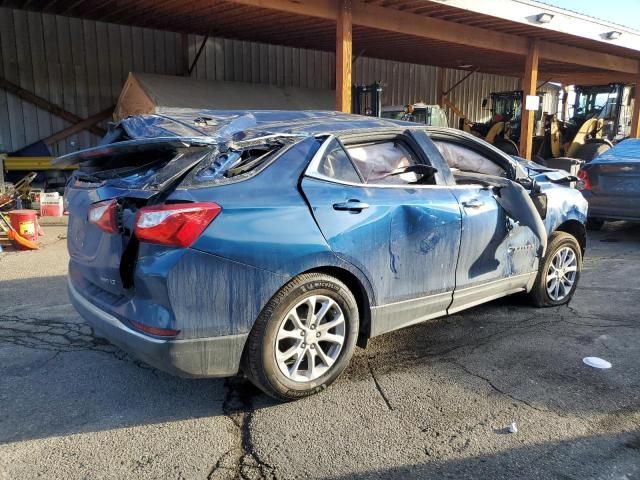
(174, 225)
(158, 332)
(104, 216)
(584, 183)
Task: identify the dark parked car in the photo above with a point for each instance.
(611, 184)
(206, 243)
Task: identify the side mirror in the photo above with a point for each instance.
(484, 103)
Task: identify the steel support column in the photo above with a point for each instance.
(529, 87)
(343, 56)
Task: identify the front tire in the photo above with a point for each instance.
(304, 337)
(558, 273)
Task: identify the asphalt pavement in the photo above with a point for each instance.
(430, 401)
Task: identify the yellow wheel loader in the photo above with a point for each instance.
(503, 128)
(595, 122)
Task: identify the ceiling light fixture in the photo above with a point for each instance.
(544, 18)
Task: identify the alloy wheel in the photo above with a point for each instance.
(561, 274)
(310, 338)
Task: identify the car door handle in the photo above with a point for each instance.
(351, 206)
(473, 203)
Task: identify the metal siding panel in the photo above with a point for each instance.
(246, 61)
(92, 58)
(126, 47)
(41, 86)
(209, 59)
(171, 60)
(137, 46)
(160, 65)
(54, 76)
(68, 74)
(25, 74)
(104, 72)
(80, 77)
(219, 48)
(5, 122)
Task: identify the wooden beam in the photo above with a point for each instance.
(388, 19)
(327, 9)
(529, 87)
(455, 109)
(78, 127)
(635, 116)
(343, 57)
(590, 78)
(45, 104)
(383, 18)
(587, 58)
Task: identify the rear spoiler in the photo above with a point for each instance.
(129, 146)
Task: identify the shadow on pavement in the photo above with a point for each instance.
(606, 456)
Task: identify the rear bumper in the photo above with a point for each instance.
(197, 358)
(613, 207)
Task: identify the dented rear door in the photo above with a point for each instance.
(404, 238)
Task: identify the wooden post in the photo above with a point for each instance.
(529, 86)
(343, 56)
(635, 117)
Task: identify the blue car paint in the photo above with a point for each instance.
(397, 250)
(615, 182)
(404, 233)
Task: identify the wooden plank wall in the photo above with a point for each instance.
(82, 65)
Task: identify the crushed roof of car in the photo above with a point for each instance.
(202, 127)
(245, 124)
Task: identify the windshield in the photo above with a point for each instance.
(507, 107)
(595, 102)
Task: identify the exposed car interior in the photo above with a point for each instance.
(463, 159)
(388, 162)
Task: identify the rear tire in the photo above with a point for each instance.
(290, 353)
(594, 224)
(591, 150)
(561, 266)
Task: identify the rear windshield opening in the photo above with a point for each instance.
(150, 168)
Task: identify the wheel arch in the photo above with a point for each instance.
(360, 293)
(575, 229)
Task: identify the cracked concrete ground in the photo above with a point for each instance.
(430, 401)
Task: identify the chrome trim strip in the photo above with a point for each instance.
(434, 297)
(493, 282)
(471, 296)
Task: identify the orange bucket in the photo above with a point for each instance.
(25, 222)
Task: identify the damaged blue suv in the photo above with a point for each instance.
(208, 242)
